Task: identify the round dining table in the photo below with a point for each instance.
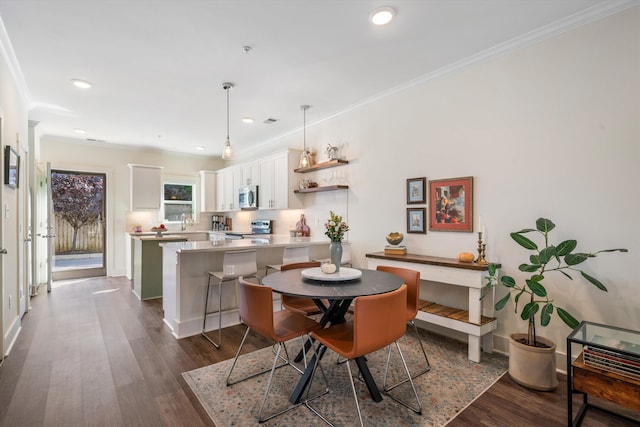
(339, 294)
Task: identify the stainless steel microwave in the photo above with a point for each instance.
(248, 197)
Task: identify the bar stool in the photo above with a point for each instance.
(291, 255)
(234, 264)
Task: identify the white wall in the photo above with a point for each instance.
(550, 130)
(14, 119)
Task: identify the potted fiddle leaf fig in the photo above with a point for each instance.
(532, 360)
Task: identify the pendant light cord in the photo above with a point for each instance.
(227, 87)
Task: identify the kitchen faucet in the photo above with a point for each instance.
(183, 222)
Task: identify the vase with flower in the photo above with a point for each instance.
(335, 229)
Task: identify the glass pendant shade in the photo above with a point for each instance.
(227, 151)
(305, 159)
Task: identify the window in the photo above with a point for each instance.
(178, 199)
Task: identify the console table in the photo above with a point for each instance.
(477, 320)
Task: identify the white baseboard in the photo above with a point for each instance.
(12, 335)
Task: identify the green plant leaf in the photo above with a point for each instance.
(526, 230)
(537, 277)
(529, 268)
(503, 301)
(492, 269)
(508, 281)
(598, 284)
(544, 225)
(566, 247)
(545, 314)
(534, 259)
(567, 318)
(524, 241)
(566, 274)
(536, 288)
(575, 259)
(547, 254)
(529, 310)
(612, 250)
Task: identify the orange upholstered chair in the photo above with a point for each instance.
(256, 311)
(378, 321)
(301, 305)
(412, 280)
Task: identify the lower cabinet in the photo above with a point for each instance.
(147, 265)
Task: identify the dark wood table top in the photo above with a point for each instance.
(372, 282)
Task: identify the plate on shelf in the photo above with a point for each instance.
(344, 274)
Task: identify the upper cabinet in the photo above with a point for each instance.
(228, 181)
(208, 190)
(277, 182)
(250, 174)
(145, 187)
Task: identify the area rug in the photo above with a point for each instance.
(452, 384)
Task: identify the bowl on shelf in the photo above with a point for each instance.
(395, 238)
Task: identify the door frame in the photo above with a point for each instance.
(87, 272)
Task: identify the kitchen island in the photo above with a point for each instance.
(184, 276)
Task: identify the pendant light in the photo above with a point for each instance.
(227, 152)
(305, 157)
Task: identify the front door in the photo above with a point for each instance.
(78, 200)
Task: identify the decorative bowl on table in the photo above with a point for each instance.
(395, 238)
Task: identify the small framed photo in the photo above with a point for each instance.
(416, 218)
(451, 204)
(11, 167)
(415, 190)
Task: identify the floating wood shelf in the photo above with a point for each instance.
(319, 189)
(323, 165)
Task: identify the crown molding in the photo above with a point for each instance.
(599, 11)
(6, 50)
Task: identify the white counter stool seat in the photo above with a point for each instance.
(346, 256)
(291, 255)
(234, 264)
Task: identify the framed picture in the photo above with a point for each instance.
(451, 204)
(416, 218)
(415, 190)
(11, 167)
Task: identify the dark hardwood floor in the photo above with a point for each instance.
(90, 353)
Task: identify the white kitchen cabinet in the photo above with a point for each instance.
(278, 181)
(145, 187)
(251, 174)
(208, 190)
(228, 181)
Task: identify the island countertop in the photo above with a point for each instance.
(271, 241)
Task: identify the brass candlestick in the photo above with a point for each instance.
(481, 250)
(481, 259)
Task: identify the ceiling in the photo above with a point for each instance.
(157, 67)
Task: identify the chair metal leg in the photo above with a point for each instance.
(206, 312)
(387, 387)
(417, 410)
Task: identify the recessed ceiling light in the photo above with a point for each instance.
(382, 15)
(200, 148)
(79, 131)
(247, 120)
(82, 84)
